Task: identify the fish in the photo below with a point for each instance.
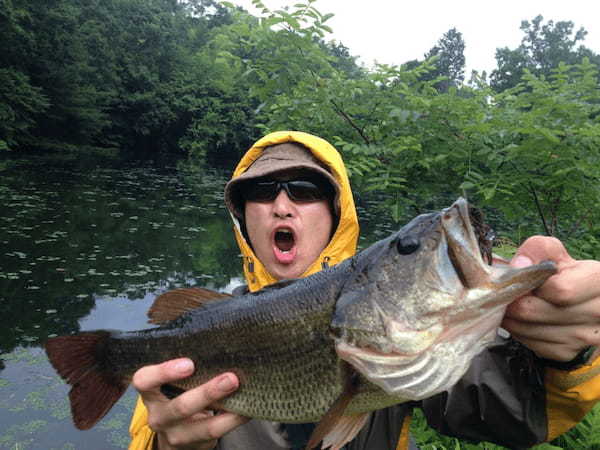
(399, 321)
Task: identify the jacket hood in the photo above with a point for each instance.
(343, 243)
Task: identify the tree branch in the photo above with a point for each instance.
(350, 121)
(539, 208)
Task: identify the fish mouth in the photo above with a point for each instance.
(464, 247)
(284, 244)
(422, 342)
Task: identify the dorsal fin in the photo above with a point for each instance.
(172, 304)
(335, 429)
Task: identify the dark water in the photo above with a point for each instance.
(88, 245)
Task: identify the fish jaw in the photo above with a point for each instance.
(426, 341)
(463, 247)
(424, 374)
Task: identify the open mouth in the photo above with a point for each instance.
(464, 249)
(284, 240)
(284, 245)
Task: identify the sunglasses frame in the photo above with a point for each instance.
(321, 187)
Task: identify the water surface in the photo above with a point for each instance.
(87, 245)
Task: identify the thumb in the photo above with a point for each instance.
(541, 248)
(520, 261)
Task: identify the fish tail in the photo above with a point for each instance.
(95, 388)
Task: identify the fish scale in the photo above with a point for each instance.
(399, 321)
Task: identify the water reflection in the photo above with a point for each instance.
(110, 233)
(91, 249)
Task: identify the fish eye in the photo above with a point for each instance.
(407, 245)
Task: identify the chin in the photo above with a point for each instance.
(287, 273)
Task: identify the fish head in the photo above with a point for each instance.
(424, 302)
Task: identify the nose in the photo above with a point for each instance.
(283, 206)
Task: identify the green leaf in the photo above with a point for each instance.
(326, 17)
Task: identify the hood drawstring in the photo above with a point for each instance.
(249, 263)
(250, 267)
(325, 263)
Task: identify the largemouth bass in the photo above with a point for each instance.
(399, 321)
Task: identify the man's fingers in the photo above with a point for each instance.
(542, 248)
(558, 342)
(535, 310)
(223, 423)
(556, 352)
(150, 378)
(207, 430)
(575, 283)
(195, 400)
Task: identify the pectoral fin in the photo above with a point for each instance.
(335, 429)
(345, 430)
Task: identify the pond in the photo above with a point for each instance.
(88, 245)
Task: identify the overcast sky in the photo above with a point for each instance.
(394, 32)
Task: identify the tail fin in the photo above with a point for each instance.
(79, 361)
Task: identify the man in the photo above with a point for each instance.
(294, 214)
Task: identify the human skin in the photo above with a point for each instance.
(309, 222)
(562, 316)
(556, 321)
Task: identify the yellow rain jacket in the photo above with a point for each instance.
(566, 396)
(343, 242)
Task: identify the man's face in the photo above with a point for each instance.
(286, 235)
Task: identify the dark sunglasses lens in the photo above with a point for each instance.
(305, 191)
(297, 190)
(261, 192)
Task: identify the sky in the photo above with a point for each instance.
(393, 32)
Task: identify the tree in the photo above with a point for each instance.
(542, 49)
(543, 153)
(21, 102)
(449, 60)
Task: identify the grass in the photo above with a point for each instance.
(586, 435)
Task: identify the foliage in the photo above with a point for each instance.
(205, 79)
(116, 73)
(542, 49)
(20, 101)
(526, 153)
(450, 62)
(544, 152)
(529, 153)
(585, 435)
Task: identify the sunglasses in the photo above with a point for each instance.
(301, 190)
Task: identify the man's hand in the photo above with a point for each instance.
(561, 317)
(186, 422)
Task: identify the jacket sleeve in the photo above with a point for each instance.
(508, 397)
(570, 396)
(142, 437)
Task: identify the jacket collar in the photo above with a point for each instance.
(343, 242)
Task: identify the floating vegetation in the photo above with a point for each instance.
(84, 250)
